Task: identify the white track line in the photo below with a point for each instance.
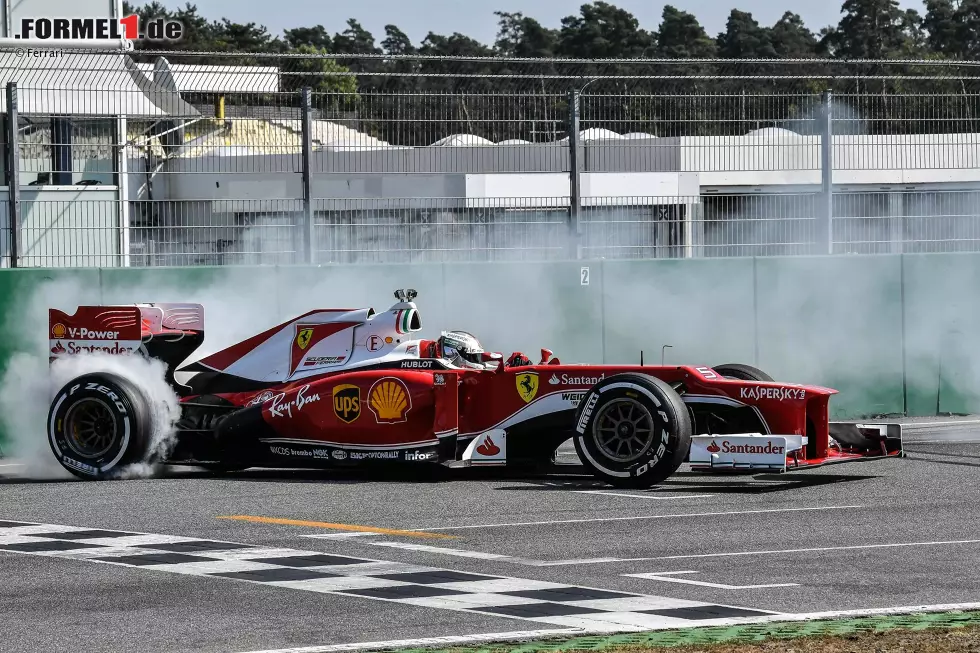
(905, 609)
(541, 634)
(642, 496)
(927, 425)
(495, 557)
(431, 641)
(635, 518)
(856, 547)
(661, 575)
(340, 536)
(943, 441)
(461, 553)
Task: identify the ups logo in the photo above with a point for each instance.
(347, 403)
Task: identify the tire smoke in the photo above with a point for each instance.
(29, 383)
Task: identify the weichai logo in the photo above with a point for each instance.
(130, 28)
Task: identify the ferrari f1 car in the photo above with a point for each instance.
(341, 387)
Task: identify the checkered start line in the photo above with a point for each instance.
(500, 596)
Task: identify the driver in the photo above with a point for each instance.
(462, 349)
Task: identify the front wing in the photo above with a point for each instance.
(782, 453)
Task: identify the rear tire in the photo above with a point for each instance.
(632, 430)
(742, 372)
(98, 424)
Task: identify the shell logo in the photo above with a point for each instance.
(390, 401)
(59, 330)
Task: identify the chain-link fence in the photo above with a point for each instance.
(162, 158)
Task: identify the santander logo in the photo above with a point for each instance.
(488, 448)
(728, 447)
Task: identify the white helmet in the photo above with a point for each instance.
(460, 348)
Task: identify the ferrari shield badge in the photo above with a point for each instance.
(527, 386)
(303, 338)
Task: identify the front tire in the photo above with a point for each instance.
(98, 424)
(632, 430)
(742, 372)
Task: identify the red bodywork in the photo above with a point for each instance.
(398, 404)
(485, 399)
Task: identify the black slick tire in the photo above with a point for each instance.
(632, 430)
(742, 372)
(98, 424)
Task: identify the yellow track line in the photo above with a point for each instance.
(338, 527)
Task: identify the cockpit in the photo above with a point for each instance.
(463, 349)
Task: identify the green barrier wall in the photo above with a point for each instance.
(895, 334)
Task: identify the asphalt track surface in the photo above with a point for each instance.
(859, 536)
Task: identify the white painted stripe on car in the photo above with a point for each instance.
(352, 446)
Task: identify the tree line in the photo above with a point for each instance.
(407, 99)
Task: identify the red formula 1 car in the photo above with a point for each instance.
(338, 387)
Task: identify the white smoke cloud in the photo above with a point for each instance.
(148, 376)
(524, 305)
(25, 396)
(26, 386)
(29, 383)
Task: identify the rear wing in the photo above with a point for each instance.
(123, 329)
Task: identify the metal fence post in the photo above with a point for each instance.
(575, 174)
(309, 247)
(13, 172)
(825, 230)
(122, 183)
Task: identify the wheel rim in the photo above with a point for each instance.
(91, 428)
(624, 430)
